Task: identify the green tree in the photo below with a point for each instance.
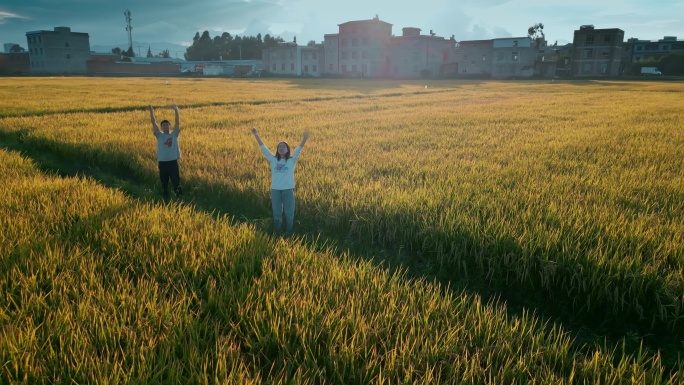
(149, 52)
(117, 51)
(536, 33)
(129, 52)
(672, 64)
(165, 54)
(228, 47)
(17, 48)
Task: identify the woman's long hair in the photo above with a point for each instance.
(287, 155)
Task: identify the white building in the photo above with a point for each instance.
(294, 60)
(285, 59)
(312, 60)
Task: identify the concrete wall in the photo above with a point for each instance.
(96, 67)
(13, 63)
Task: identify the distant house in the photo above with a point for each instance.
(597, 52)
(360, 48)
(469, 56)
(513, 57)
(284, 59)
(58, 52)
(413, 55)
(648, 49)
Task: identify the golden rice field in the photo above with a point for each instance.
(562, 200)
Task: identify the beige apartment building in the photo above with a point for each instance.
(59, 52)
(360, 48)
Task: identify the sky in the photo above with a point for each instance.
(177, 21)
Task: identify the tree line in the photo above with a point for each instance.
(224, 47)
(228, 47)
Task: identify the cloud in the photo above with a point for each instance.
(4, 16)
(255, 27)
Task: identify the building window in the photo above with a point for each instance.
(66, 44)
(589, 40)
(344, 68)
(499, 56)
(68, 56)
(586, 68)
(314, 55)
(39, 39)
(306, 68)
(604, 68)
(514, 56)
(465, 57)
(588, 53)
(305, 56)
(282, 66)
(484, 57)
(291, 54)
(330, 67)
(515, 43)
(343, 42)
(315, 69)
(291, 66)
(607, 38)
(605, 53)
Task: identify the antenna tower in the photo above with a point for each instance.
(129, 29)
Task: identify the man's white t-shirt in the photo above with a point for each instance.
(167, 146)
